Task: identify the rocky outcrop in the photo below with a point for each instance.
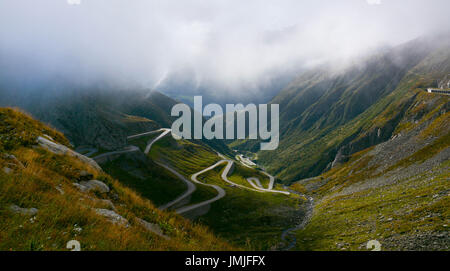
(85, 176)
(113, 217)
(374, 136)
(23, 211)
(339, 159)
(80, 187)
(92, 185)
(63, 150)
(95, 185)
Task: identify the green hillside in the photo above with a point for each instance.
(246, 218)
(395, 192)
(99, 118)
(43, 205)
(328, 114)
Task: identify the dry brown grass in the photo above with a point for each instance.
(60, 215)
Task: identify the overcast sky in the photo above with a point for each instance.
(227, 42)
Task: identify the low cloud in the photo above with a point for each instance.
(225, 43)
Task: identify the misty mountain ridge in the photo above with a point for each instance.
(358, 129)
(183, 85)
(327, 110)
(101, 118)
(316, 102)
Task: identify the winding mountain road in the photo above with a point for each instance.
(190, 186)
(257, 189)
(220, 192)
(248, 163)
(260, 188)
(272, 179)
(252, 182)
(134, 148)
(147, 133)
(126, 150)
(149, 146)
(245, 161)
(87, 151)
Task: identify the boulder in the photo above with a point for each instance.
(23, 211)
(107, 202)
(113, 217)
(85, 176)
(80, 187)
(63, 150)
(95, 185)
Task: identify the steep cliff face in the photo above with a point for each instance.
(373, 136)
(327, 115)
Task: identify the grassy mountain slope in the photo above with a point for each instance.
(97, 118)
(327, 115)
(33, 177)
(250, 219)
(137, 172)
(396, 192)
(245, 218)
